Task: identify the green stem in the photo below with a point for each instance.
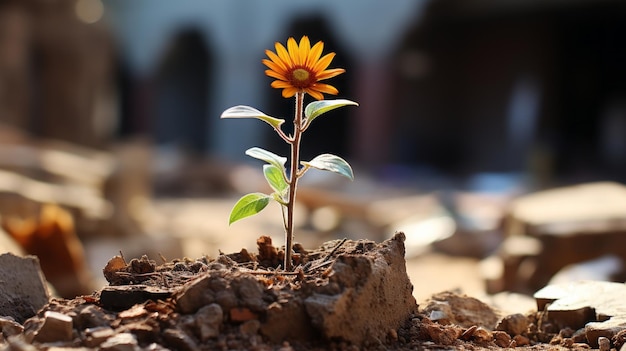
(293, 175)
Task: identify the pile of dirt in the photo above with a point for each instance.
(344, 295)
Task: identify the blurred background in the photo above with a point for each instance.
(111, 137)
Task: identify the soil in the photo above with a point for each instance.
(344, 295)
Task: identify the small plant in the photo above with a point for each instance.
(298, 70)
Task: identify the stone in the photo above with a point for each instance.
(208, 321)
(23, 289)
(96, 336)
(56, 327)
(604, 344)
(513, 324)
(122, 297)
(178, 340)
(9, 327)
(120, 342)
(462, 310)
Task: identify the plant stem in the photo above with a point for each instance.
(293, 178)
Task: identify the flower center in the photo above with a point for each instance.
(301, 78)
(301, 75)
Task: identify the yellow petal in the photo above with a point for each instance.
(275, 74)
(280, 84)
(282, 64)
(314, 54)
(326, 88)
(274, 66)
(289, 92)
(292, 46)
(305, 47)
(323, 63)
(283, 54)
(316, 95)
(330, 73)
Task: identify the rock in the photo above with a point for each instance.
(56, 327)
(96, 336)
(120, 342)
(208, 321)
(604, 344)
(250, 327)
(121, 297)
(23, 290)
(514, 324)
(596, 306)
(501, 339)
(178, 340)
(461, 310)
(9, 327)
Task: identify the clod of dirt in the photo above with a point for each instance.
(304, 306)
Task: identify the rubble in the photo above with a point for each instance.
(594, 306)
(546, 230)
(23, 290)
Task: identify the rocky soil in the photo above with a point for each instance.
(344, 295)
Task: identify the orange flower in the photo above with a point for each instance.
(299, 68)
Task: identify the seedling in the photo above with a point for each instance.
(298, 70)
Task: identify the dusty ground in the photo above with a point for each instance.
(345, 295)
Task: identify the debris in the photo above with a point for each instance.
(23, 288)
(462, 310)
(56, 327)
(595, 306)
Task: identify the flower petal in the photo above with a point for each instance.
(315, 94)
(274, 67)
(283, 54)
(292, 46)
(275, 74)
(289, 92)
(326, 88)
(324, 62)
(329, 73)
(305, 47)
(275, 59)
(314, 54)
(280, 84)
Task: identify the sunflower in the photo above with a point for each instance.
(299, 68)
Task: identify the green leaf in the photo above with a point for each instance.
(316, 108)
(248, 205)
(243, 111)
(275, 178)
(267, 156)
(332, 163)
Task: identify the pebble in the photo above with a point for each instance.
(208, 321)
(120, 342)
(56, 327)
(604, 344)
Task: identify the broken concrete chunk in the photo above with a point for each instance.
(56, 327)
(597, 306)
(23, 290)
